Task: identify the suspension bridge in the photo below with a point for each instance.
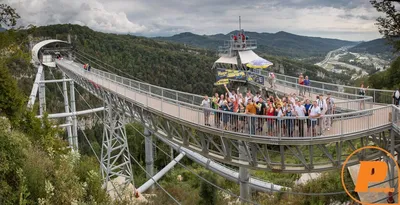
(177, 119)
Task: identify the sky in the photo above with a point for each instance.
(342, 19)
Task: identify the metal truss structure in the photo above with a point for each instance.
(115, 157)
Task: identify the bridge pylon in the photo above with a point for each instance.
(115, 156)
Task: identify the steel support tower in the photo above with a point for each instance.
(115, 157)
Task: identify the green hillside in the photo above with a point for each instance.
(278, 44)
(380, 47)
(165, 64)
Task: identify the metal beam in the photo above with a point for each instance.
(149, 153)
(35, 87)
(219, 169)
(74, 120)
(62, 125)
(160, 174)
(66, 107)
(56, 81)
(42, 96)
(244, 175)
(70, 114)
(115, 156)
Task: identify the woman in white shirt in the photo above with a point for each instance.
(206, 106)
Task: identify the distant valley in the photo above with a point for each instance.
(354, 59)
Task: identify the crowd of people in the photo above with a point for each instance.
(269, 115)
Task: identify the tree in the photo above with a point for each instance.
(11, 99)
(208, 193)
(8, 16)
(389, 26)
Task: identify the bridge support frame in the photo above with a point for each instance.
(244, 175)
(149, 154)
(74, 119)
(42, 95)
(115, 156)
(66, 107)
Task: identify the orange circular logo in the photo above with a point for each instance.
(370, 171)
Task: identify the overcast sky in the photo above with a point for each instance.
(343, 19)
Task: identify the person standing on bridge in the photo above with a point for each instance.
(323, 107)
(300, 112)
(396, 97)
(301, 85)
(314, 114)
(271, 80)
(215, 106)
(261, 110)
(308, 107)
(362, 93)
(330, 102)
(220, 107)
(206, 106)
(307, 86)
(251, 110)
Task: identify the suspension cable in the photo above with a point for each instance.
(181, 163)
(84, 134)
(81, 96)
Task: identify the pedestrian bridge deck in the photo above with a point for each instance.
(349, 125)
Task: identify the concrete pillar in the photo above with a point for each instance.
(244, 176)
(149, 153)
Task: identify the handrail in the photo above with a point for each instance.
(329, 86)
(195, 114)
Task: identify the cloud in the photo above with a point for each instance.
(91, 13)
(346, 19)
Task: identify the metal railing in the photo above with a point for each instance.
(185, 106)
(379, 96)
(237, 45)
(395, 117)
(345, 101)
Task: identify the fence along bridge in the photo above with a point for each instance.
(177, 119)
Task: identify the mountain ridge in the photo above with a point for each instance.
(280, 43)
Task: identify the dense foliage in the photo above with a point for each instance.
(165, 64)
(389, 27)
